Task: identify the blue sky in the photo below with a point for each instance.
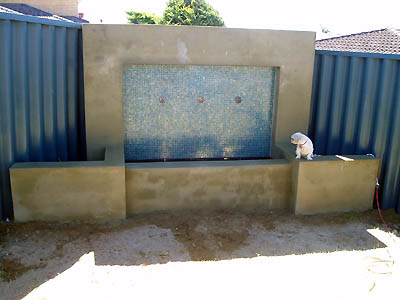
(339, 16)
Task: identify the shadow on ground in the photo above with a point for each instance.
(33, 253)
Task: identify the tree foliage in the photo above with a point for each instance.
(191, 12)
(181, 12)
(136, 17)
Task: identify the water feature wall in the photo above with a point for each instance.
(197, 112)
(185, 92)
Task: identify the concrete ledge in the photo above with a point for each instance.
(57, 191)
(207, 185)
(331, 183)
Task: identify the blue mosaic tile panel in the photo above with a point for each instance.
(193, 112)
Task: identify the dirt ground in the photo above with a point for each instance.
(203, 255)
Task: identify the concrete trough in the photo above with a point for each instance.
(111, 189)
(208, 185)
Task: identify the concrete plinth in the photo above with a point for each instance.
(60, 191)
(331, 183)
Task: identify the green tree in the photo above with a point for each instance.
(191, 12)
(136, 17)
(180, 12)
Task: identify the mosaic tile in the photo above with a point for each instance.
(190, 112)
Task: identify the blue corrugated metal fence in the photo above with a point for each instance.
(41, 95)
(355, 102)
(356, 110)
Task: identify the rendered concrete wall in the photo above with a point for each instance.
(335, 185)
(331, 183)
(325, 185)
(112, 189)
(207, 185)
(107, 48)
(70, 190)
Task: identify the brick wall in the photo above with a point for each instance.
(57, 7)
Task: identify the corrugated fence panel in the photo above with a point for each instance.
(41, 94)
(356, 110)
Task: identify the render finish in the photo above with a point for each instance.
(329, 186)
(61, 191)
(111, 189)
(107, 48)
(332, 183)
(207, 185)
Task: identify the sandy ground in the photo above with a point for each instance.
(203, 255)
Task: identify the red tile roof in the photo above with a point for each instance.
(386, 41)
